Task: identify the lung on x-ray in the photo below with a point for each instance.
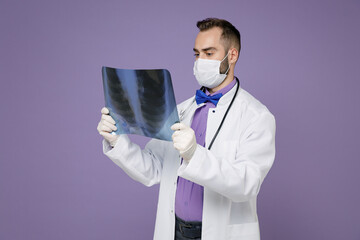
(141, 102)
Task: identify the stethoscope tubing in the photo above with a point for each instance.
(227, 110)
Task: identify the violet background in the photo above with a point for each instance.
(300, 58)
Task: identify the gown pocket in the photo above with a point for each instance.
(249, 231)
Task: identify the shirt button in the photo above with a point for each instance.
(213, 111)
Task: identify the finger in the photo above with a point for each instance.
(105, 128)
(110, 125)
(175, 135)
(177, 146)
(104, 110)
(178, 126)
(99, 127)
(108, 118)
(107, 136)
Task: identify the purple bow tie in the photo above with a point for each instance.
(201, 97)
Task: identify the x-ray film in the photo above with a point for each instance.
(141, 102)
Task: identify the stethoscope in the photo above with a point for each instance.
(227, 110)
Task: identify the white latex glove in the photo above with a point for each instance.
(106, 126)
(184, 140)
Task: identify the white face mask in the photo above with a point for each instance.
(207, 72)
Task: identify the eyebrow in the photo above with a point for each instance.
(205, 49)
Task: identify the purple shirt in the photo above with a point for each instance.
(189, 195)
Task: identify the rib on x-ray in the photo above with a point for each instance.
(141, 102)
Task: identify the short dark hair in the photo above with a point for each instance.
(230, 35)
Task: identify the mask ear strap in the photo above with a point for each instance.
(229, 64)
(228, 69)
(225, 57)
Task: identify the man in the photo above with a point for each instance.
(222, 149)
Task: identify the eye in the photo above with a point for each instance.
(196, 54)
(209, 54)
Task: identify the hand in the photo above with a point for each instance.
(107, 125)
(184, 140)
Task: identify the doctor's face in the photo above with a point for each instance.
(208, 45)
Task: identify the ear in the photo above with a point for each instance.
(233, 55)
